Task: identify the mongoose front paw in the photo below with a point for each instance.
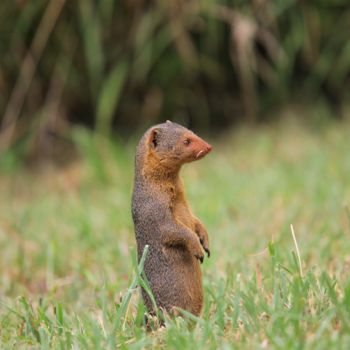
(200, 258)
(207, 251)
(204, 244)
(198, 251)
(203, 236)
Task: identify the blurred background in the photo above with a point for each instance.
(117, 67)
(266, 82)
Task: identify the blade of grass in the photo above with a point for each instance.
(297, 251)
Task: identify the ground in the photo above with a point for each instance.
(68, 251)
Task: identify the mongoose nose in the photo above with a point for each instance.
(209, 148)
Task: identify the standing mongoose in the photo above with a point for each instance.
(164, 221)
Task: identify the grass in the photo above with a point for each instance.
(67, 262)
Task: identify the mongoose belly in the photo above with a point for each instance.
(174, 276)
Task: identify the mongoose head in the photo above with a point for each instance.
(172, 145)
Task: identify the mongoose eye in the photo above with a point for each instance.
(187, 142)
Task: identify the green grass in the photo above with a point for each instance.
(68, 251)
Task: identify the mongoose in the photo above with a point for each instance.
(164, 221)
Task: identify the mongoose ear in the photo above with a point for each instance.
(154, 138)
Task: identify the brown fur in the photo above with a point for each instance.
(164, 221)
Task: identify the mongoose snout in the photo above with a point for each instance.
(203, 152)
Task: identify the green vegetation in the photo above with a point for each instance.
(67, 265)
(117, 64)
(68, 252)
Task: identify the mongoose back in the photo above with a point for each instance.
(164, 221)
